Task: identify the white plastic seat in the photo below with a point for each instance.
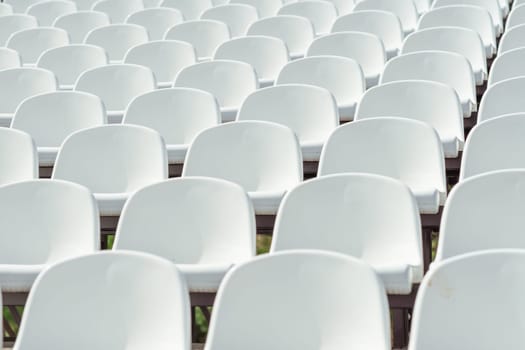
(465, 301)
(401, 148)
(504, 97)
(445, 67)
(117, 39)
(31, 43)
(117, 85)
(513, 38)
(495, 144)
(385, 25)
(13, 23)
(266, 54)
(5, 10)
(205, 35)
(21, 6)
(171, 211)
(118, 10)
(127, 288)
(113, 161)
(238, 17)
(50, 118)
(178, 114)
(342, 76)
(43, 222)
(310, 111)
(516, 17)
(423, 6)
(339, 213)
(343, 6)
(151, 3)
(79, 24)
(156, 20)
(300, 297)
(322, 14)
(9, 58)
(46, 12)
(265, 8)
(465, 16)
(463, 41)
(507, 65)
(18, 158)
(84, 5)
(166, 58)
(297, 32)
(264, 158)
(490, 5)
(229, 81)
(17, 84)
(191, 9)
(405, 10)
(69, 62)
(365, 48)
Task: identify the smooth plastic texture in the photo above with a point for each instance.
(516, 17)
(9, 59)
(31, 43)
(5, 10)
(513, 38)
(79, 24)
(118, 10)
(46, 12)
(405, 10)
(238, 17)
(117, 39)
(490, 5)
(13, 23)
(21, 6)
(84, 5)
(504, 97)
(18, 158)
(156, 20)
(265, 8)
(191, 9)
(322, 14)
(507, 65)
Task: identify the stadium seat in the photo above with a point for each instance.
(343, 6)
(46, 12)
(20, 6)
(238, 17)
(463, 41)
(440, 66)
(490, 5)
(9, 59)
(18, 159)
(513, 38)
(264, 158)
(5, 10)
(84, 5)
(143, 294)
(13, 23)
(405, 10)
(300, 297)
(504, 97)
(117, 39)
(50, 118)
(31, 43)
(229, 81)
(156, 20)
(151, 3)
(423, 6)
(328, 72)
(17, 84)
(507, 65)
(186, 223)
(79, 24)
(367, 49)
(166, 58)
(178, 114)
(322, 14)
(113, 161)
(516, 17)
(267, 55)
(205, 35)
(297, 32)
(69, 62)
(191, 9)
(404, 149)
(265, 8)
(385, 25)
(310, 111)
(118, 10)
(117, 85)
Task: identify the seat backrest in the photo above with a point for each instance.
(259, 156)
(516, 17)
(18, 158)
(46, 12)
(118, 10)
(301, 296)
(343, 6)
(84, 5)
(117, 39)
(490, 5)
(504, 97)
(404, 9)
(266, 8)
(6, 9)
(79, 24)
(191, 9)
(9, 58)
(238, 17)
(507, 65)
(31, 43)
(513, 38)
(21, 6)
(322, 14)
(125, 288)
(112, 158)
(156, 20)
(10, 24)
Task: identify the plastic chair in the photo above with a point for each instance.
(166, 58)
(229, 81)
(266, 54)
(365, 48)
(117, 85)
(327, 72)
(504, 97)
(17, 84)
(126, 288)
(31, 43)
(50, 118)
(301, 296)
(322, 14)
(6, 10)
(172, 210)
(310, 111)
(238, 17)
(156, 20)
(400, 148)
(113, 161)
(117, 39)
(440, 66)
(118, 10)
(20, 6)
(343, 6)
(423, 6)
(9, 59)
(151, 3)
(339, 213)
(84, 5)
(516, 17)
(13, 23)
(69, 62)
(79, 24)
(178, 114)
(506, 66)
(405, 10)
(264, 158)
(265, 8)
(18, 160)
(512, 39)
(385, 25)
(191, 9)
(296, 32)
(46, 12)
(490, 5)
(463, 41)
